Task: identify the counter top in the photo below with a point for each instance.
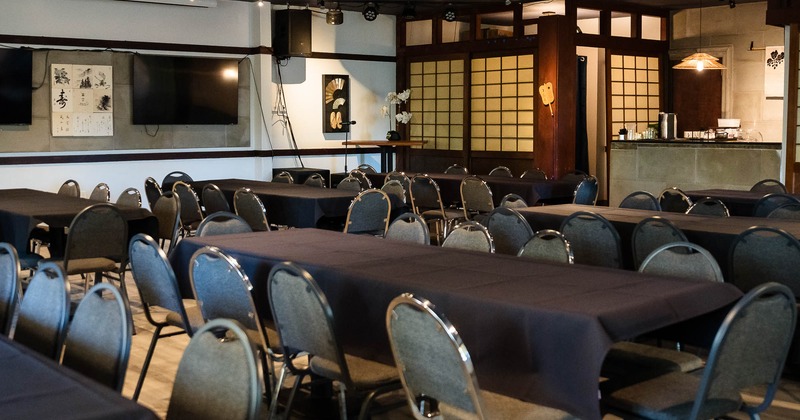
(631, 144)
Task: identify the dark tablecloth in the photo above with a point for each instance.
(33, 387)
(535, 331)
(738, 202)
(299, 175)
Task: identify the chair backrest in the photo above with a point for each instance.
(513, 201)
(217, 378)
(674, 200)
(425, 194)
(749, 349)
(787, 211)
(315, 180)
(71, 188)
(350, 183)
(362, 178)
(98, 231)
(399, 176)
(476, 196)
(534, 174)
(642, 200)
(586, 192)
(44, 312)
(283, 177)
(152, 191)
(575, 176)
(709, 207)
(409, 227)
(548, 245)
(222, 223)
(190, 204)
(155, 279)
(683, 259)
(764, 253)
(501, 171)
(431, 358)
(766, 204)
(130, 197)
(100, 192)
(214, 199)
(10, 286)
(456, 169)
(369, 213)
(593, 238)
(470, 235)
(98, 341)
(509, 230)
(167, 210)
(367, 168)
(769, 186)
(651, 233)
(394, 187)
(175, 176)
(247, 205)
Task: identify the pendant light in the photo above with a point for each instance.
(700, 61)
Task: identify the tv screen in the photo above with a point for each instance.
(185, 90)
(16, 81)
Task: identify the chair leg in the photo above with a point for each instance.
(273, 405)
(146, 364)
(342, 401)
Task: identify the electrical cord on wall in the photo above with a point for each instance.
(284, 108)
(260, 104)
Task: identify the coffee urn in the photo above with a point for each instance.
(668, 124)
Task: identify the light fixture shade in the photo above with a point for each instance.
(699, 61)
(370, 11)
(334, 17)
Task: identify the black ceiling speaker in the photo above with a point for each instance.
(292, 33)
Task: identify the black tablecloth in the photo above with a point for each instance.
(738, 202)
(299, 175)
(535, 331)
(33, 387)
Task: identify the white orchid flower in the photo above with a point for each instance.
(403, 117)
(385, 111)
(404, 95)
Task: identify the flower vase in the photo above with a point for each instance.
(392, 135)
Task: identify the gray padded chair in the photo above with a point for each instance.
(593, 239)
(305, 323)
(786, 211)
(249, 207)
(674, 200)
(470, 236)
(191, 213)
(70, 188)
(501, 171)
(222, 223)
(152, 191)
(682, 259)
(641, 200)
(426, 201)
(509, 230)
(158, 289)
(284, 178)
(769, 186)
(548, 245)
(44, 312)
(171, 178)
(369, 213)
(100, 192)
(651, 233)
(586, 192)
(10, 287)
(315, 180)
(362, 178)
(709, 207)
(167, 210)
(764, 253)
(350, 183)
(534, 174)
(409, 227)
(403, 178)
(214, 199)
(435, 366)
(749, 350)
(367, 168)
(98, 342)
(476, 198)
(395, 188)
(456, 169)
(766, 204)
(217, 378)
(130, 197)
(513, 201)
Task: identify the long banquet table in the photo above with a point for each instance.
(738, 202)
(535, 331)
(33, 387)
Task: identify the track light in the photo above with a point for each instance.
(260, 3)
(334, 17)
(410, 11)
(449, 13)
(370, 11)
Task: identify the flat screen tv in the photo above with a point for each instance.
(16, 81)
(185, 90)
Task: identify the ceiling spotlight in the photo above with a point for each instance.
(410, 11)
(334, 17)
(449, 13)
(370, 11)
(260, 3)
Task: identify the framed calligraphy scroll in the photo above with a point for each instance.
(82, 100)
(335, 103)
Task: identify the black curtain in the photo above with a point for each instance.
(581, 138)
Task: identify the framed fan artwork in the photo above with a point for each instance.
(335, 103)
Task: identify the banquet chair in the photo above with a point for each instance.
(593, 239)
(766, 204)
(709, 207)
(456, 169)
(369, 213)
(283, 177)
(167, 210)
(769, 186)
(394, 187)
(158, 289)
(10, 287)
(70, 188)
(674, 200)
(217, 378)
(548, 245)
(214, 199)
(171, 178)
(44, 312)
(787, 211)
(513, 201)
(315, 180)
(409, 227)
(534, 174)
(130, 197)
(305, 323)
(362, 179)
(651, 233)
(350, 183)
(761, 253)
(586, 192)
(41, 235)
(404, 180)
(98, 342)
(427, 203)
(152, 191)
(642, 200)
(471, 236)
(100, 192)
(367, 168)
(575, 176)
(509, 230)
(476, 198)
(191, 214)
(249, 207)
(748, 350)
(437, 372)
(222, 223)
(682, 259)
(501, 171)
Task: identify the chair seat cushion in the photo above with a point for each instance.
(504, 407)
(89, 265)
(192, 312)
(364, 373)
(626, 357)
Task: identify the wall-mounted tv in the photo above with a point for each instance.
(185, 90)
(16, 81)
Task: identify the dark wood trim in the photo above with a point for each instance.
(354, 57)
(792, 65)
(322, 152)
